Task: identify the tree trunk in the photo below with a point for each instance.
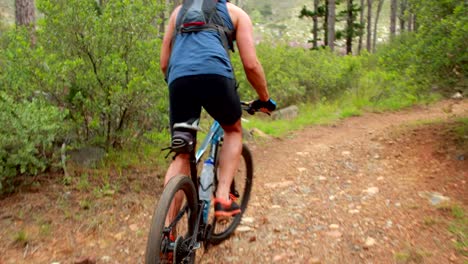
(350, 28)
(376, 24)
(402, 16)
(331, 24)
(362, 21)
(162, 16)
(409, 17)
(315, 28)
(393, 17)
(409, 22)
(325, 24)
(369, 25)
(26, 16)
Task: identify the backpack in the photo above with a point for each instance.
(202, 15)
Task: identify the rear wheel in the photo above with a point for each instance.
(240, 189)
(164, 233)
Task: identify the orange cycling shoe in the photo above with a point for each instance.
(224, 209)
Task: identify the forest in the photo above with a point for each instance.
(80, 73)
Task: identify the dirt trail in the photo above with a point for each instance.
(354, 192)
(324, 192)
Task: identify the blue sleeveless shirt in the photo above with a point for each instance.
(201, 52)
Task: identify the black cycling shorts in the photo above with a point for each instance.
(215, 93)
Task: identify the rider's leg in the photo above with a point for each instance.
(229, 158)
(180, 165)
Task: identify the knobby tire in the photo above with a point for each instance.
(156, 237)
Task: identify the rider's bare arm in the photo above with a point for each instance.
(167, 41)
(245, 44)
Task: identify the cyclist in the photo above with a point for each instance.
(199, 74)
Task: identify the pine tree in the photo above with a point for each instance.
(352, 29)
(317, 13)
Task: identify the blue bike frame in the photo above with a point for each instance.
(213, 137)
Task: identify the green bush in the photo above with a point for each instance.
(20, 65)
(101, 63)
(94, 70)
(435, 56)
(297, 75)
(27, 134)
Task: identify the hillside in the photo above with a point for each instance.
(282, 20)
(276, 19)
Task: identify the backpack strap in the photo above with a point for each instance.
(202, 15)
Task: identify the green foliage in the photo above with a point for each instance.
(27, 134)
(101, 62)
(460, 132)
(459, 228)
(21, 238)
(435, 57)
(320, 113)
(298, 75)
(93, 78)
(20, 65)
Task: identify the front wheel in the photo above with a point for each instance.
(240, 188)
(173, 220)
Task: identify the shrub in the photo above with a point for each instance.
(435, 56)
(27, 134)
(297, 75)
(100, 62)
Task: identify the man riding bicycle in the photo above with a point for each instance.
(199, 74)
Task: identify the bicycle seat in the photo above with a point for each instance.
(190, 125)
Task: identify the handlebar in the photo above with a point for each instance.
(257, 106)
(246, 106)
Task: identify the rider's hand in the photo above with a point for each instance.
(262, 106)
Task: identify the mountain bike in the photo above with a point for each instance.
(178, 241)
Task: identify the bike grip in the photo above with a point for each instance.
(273, 105)
(269, 105)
